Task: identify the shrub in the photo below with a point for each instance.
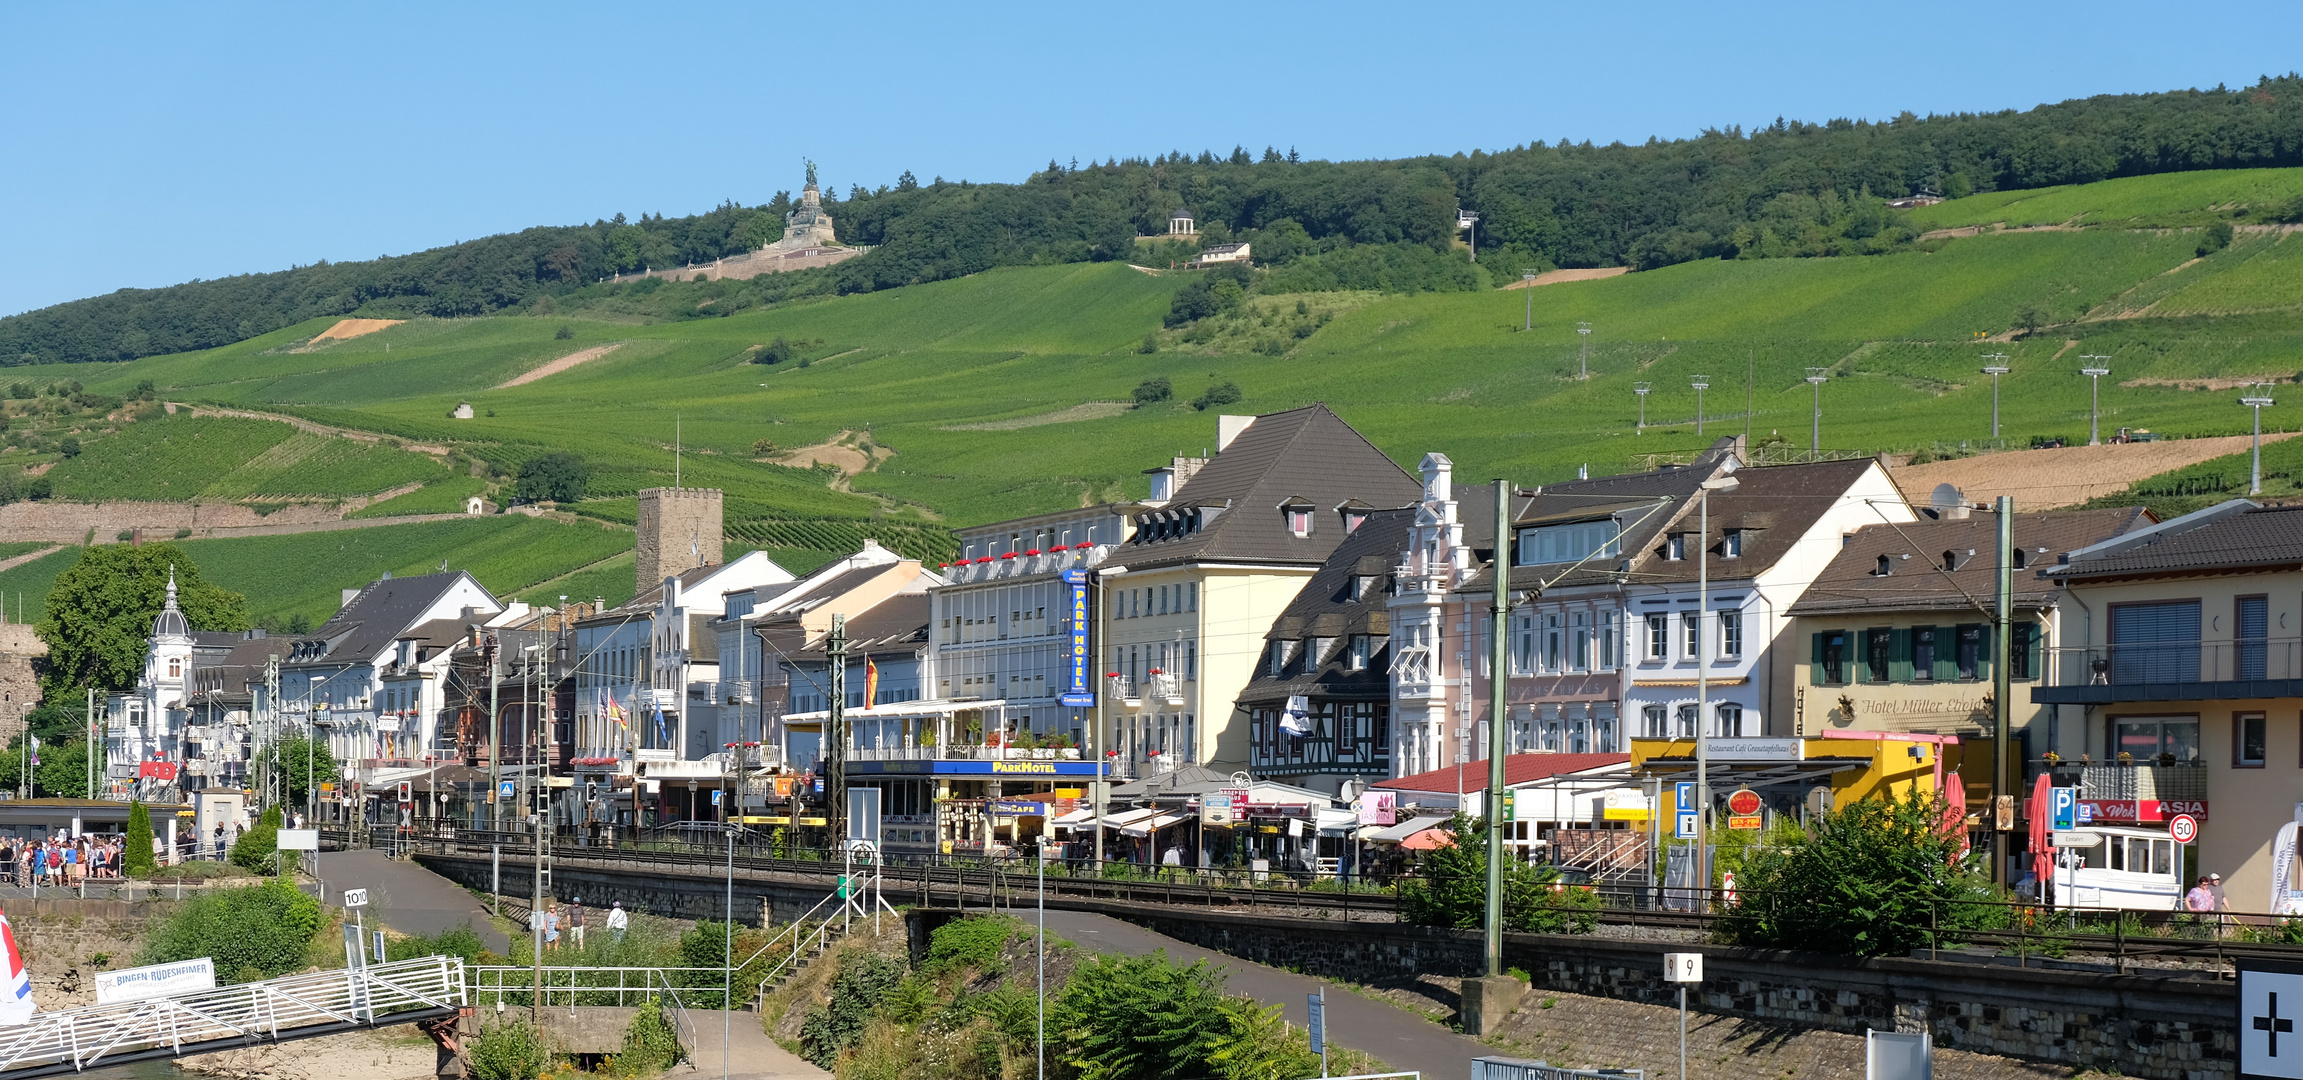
(39, 488)
(70, 444)
(137, 859)
(254, 849)
(1149, 345)
(1870, 878)
(1131, 1017)
(864, 979)
(255, 932)
(1223, 393)
(509, 1051)
(650, 1043)
(2215, 238)
(458, 941)
(774, 352)
(1452, 890)
(1152, 391)
(967, 943)
(564, 332)
(763, 447)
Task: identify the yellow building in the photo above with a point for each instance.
(1793, 775)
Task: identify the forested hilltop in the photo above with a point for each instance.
(1787, 190)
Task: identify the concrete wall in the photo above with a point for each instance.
(643, 889)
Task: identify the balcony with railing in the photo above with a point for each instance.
(2172, 671)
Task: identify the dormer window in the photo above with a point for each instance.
(1731, 544)
(1299, 521)
(2022, 558)
(1950, 560)
(1362, 586)
(1886, 567)
(1675, 547)
(1352, 520)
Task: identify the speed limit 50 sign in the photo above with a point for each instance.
(2183, 828)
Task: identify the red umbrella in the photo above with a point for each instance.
(2042, 853)
(1955, 813)
(1426, 840)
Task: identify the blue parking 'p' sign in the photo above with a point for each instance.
(2063, 805)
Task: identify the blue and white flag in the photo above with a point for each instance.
(1296, 720)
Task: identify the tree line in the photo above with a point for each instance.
(1788, 189)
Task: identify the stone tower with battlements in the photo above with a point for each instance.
(679, 530)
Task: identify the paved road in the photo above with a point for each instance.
(407, 897)
(1400, 1038)
(751, 1054)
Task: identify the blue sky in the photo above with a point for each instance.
(150, 145)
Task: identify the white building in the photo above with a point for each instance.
(656, 662)
(1004, 627)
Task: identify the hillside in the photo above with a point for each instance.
(1791, 189)
(905, 411)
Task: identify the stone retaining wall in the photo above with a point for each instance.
(2146, 1025)
(73, 523)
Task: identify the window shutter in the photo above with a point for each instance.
(1815, 660)
(2032, 642)
(1946, 653)
(1986, 641)
(1899, 656)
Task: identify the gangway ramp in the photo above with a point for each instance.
(230, 1017)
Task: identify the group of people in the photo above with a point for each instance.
(550, 923)
(61, 861)
(2206, 896)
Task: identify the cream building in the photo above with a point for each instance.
(2182, 681)
(1227, 545)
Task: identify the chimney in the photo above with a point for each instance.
(1228, 428)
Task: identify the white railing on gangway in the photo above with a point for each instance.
(270, 1011)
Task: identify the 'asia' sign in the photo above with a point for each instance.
(2138, 811)
(1077, 695)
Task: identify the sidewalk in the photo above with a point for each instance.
(407, 897)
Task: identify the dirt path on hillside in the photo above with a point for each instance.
(842, 452)
(2064, 476)
(1091, 410)
(562, 364)
(11, 564)
(1555, 277)
(301, 424)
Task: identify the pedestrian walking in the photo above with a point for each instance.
(219, 841)
(576, 923)
(2199, 900)
(618, 921)
(552, 929)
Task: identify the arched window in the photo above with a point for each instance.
(175, 667)
(2021, 559)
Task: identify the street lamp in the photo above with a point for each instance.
(1642, 389)
(1527, 283)
(1701, 383)
(1816, 377)
(1583, 330)
(1468, 221)
(1702, 678)
(2095, 376)
(1995, 371)
(2256, 401)
(1098, 784)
